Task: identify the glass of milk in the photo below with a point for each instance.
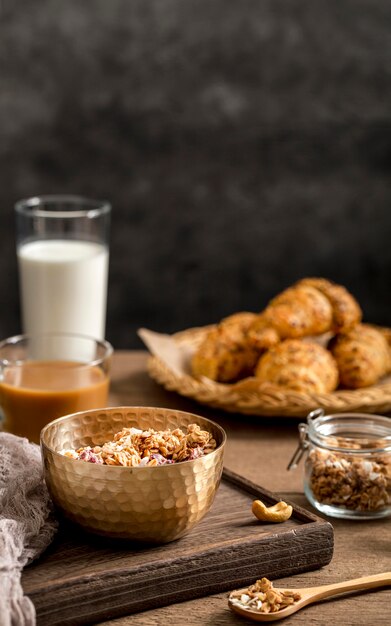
(63, 257)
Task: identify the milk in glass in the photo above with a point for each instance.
(63, 286)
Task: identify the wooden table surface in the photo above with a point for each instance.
(260, 449)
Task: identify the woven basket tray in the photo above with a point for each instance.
(249, 397)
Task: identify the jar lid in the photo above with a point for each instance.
(353, 432)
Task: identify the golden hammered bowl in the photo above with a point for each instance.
(152, 504)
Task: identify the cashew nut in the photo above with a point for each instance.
(279, 512)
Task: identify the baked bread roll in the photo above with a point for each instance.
(261, 334)
(346, 311)
(362, 354)
(301, 366)
(312, 306)
(240, 322)
(299, 311)
(225, 355)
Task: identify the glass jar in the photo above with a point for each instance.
(347, 465)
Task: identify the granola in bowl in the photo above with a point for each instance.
(133, 447)
(109, 494)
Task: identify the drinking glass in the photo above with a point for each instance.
(62, 245)
(39, 382)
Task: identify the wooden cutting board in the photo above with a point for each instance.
(82, 579)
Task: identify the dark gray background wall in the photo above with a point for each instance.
(242, 144)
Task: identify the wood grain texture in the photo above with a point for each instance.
(359, 549)
(83, 579)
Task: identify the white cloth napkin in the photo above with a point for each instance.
(26, 524)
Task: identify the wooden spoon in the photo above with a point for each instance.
(312, 594)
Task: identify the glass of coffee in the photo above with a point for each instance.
(45, 376)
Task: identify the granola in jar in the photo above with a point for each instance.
(348, 464)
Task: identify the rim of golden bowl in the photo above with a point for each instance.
(119, 408)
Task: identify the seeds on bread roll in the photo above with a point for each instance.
(298, 365)
(362, 354)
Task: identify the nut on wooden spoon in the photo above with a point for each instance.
(308, 595)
